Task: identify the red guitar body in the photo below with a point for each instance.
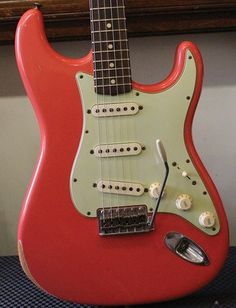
(60, 250)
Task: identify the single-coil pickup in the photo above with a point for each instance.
(120, 188)
(118, 149)
(112, 110)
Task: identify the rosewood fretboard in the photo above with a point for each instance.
(112, 74)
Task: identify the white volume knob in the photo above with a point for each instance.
(154, 190)
(207, 219)
(184, 202)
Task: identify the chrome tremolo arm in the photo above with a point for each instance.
(163, 156)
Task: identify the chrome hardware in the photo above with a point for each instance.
(162, 154)
(186, 248)
(123, 220)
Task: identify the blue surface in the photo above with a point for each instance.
(16, 290)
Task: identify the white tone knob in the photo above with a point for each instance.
(207, 220)
(154, 190)
(184, 174)
(183, 202)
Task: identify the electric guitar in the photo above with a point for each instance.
(120, 209)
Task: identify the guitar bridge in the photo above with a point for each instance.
(123, 220)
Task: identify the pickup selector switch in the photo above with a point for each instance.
(207, 220)
(184, 202)
(154, 190)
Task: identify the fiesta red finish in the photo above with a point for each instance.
(62, 249)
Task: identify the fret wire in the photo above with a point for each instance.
(108, 30)
(111, 41)
(110, 47)
(112, 77)
(120, 37)
(107, 19)
(107, 7)
(103, 34)
(122, 40)
(101, 38)
(110, 50)
(114, 85)
(110, 69)
(112, 60)
(113, 37)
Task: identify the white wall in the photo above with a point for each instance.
(214, 124)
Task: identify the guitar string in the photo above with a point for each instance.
(104, 120)
(127, 120)
(108, 120)
(122, 83)
(122, 63)
(116, 160)
(132, 129)
(97, 89)
(121, 159)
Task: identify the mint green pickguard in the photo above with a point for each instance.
(162, 117)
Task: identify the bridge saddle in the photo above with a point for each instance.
(123, 220)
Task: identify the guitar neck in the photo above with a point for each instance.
(111, 61)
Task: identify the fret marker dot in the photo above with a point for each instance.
(109, 25)
(110, 46)
(112, 64)
(113, 81)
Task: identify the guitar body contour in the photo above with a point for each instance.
(59, 247)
